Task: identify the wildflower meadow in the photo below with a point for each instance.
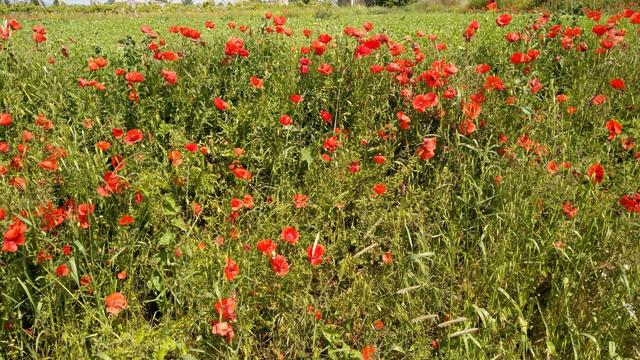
(314, 182)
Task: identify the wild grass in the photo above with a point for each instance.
(485, 263)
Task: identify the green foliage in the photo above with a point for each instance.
(558, 6)
(388, 3)
(484, 258)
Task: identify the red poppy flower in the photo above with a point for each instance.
(242, 173)
(97, 64)
(427, 149)
(247, 201)
(631, 203)
(190, 33)
(435, 344)
(84, 210)
(191, 147)
(279, 20)
(503, 20)
(296, 98)
(170, 77)
(13, 24)
(617, 84)
(423, 101)
(133, 136)
(520, 58)
(50, 164)
(450, 93)
(494, 82)
(38, 38)
(354, 167)
(138, 197)
(266, 246)
(469, 33)
(18, 182)
(115, 303)
(396, 49)
(299, 201)
(14, 236)
(235, 46)
(362, 51)
(175, 157)
(512, 37)
(467, 127)
(535, 85)
(482, 69)
(62, 270)
(379, 189)
(223, 329)
(44, 123)
(290, 235)
(148, 31)
(27, 136)
(472, 110)
(226, 309)
(279, 265)
(615, 129)
(113, 184)
(404, 120)
(477, 98)
(379, 159)
(326, 116)
(368, 352)
(387, 257)
(376, 68)
(627, 143)
(286, 120)
(598, 100)
(236, 204)
(39, 29)
(325, 69)
(5, 119)
(324, 38)
(134, 77)
(231, 270)
(256, 82)
(314, 254)
(331, 143)
(595, 172)
(42, 257)
(592, 14)
(318, 47)
(569, 210)
(125, 220)
(220, 104)
(196, 208)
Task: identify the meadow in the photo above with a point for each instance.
(265, 182)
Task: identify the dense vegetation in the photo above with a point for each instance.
(308, 182)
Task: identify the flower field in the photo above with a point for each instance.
(267, 182)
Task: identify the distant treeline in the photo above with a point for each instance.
(563, 6)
